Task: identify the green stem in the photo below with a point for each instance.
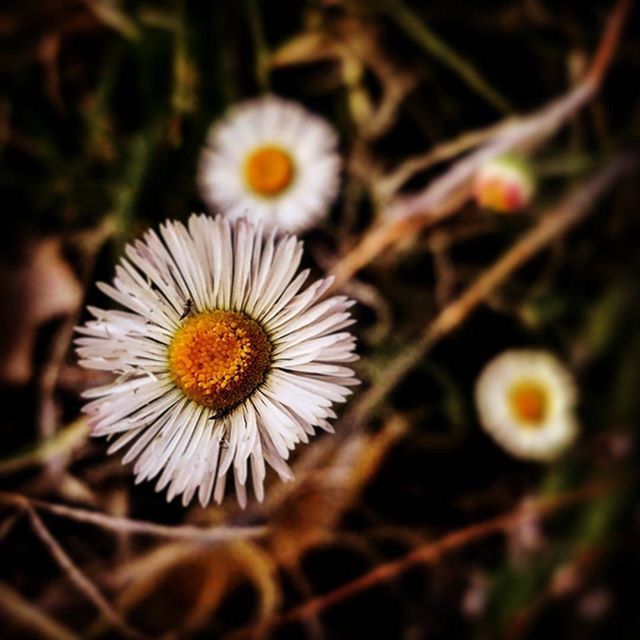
(413, 27)
(254, 14)
(135, 166)
(63, 441)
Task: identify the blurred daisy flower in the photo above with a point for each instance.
(272, 161)
(224, 363)
(504, 184)
(525, 401)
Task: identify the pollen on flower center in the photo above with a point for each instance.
(269, 170)
(219, 357)
(529, 402)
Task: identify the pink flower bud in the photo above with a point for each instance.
(504, 184)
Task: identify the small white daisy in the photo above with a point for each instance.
(223, 362)
(526, 402)
(272, 161)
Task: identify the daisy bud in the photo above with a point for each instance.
(504, 184)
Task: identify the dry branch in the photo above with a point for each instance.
(126, 525)
(22, 612)
(428, 553)
(78, 578)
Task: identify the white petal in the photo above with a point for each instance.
(308, 139)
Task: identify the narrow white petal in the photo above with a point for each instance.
(309, 141)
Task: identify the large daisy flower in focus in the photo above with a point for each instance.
(272, 161)
(525, 401)
(224, 363)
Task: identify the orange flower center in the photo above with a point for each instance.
(269, 170)
(219, 357)
(529, 402)
(501, 193)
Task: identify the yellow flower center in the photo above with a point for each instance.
(219, 357)
(529, 402)
(269, 170)
(492, 195)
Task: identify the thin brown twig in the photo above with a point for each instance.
(7, 525)
(567, 214)
(78, 578)
(446, 195)
(388, 185)
(126, 525)
(313, 625)
(63, 441)
(27, 616)
(428, 553)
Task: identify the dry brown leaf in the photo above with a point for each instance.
(313, 506)
(41, 286)
(354, 44)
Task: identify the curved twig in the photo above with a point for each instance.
(82, 583)
(142, 527)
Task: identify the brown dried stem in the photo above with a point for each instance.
(78, 578)
(126, 525)
(389, 185)
(27, 616)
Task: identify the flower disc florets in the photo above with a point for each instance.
(218, 358)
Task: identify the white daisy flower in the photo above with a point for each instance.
(272, 161)
(526, 402)
(223, 362)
